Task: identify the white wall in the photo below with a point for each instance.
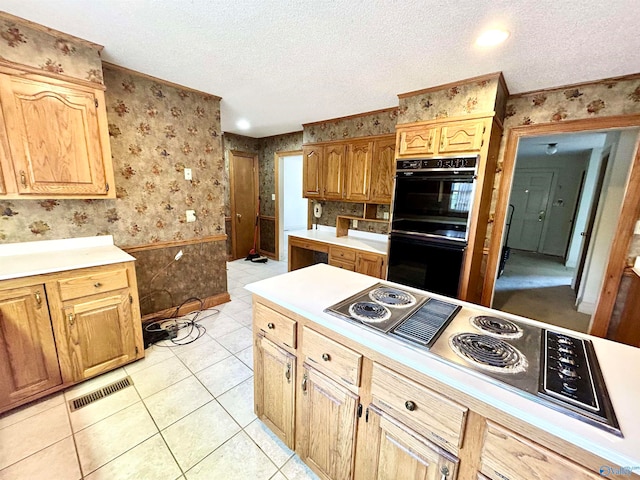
(607, 215)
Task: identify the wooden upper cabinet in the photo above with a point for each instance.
(333, 171)
(461, 137)
(358, 174)
(28, 360)
(382, 171)
(418, 141)
(312, 172)
(57, 134)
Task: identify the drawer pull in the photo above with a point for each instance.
(97, 284)
(304, 384)
(287, 374)
(409, 405)
(445, 473)
(270, 326)
(38, 298)
(71, 319)
(326, 357)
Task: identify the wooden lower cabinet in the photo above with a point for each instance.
(397, 451)
(329, 412)
(274, 388)
(370, 264)
(28, 360)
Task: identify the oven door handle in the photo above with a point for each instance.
(428, 239)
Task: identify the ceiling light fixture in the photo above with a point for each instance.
(552, 148)
(243, 124)
(492, 37)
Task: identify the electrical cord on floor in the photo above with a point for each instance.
(168, 328)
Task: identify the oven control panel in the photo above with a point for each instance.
(446, 163)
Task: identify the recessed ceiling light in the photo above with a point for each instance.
(243, 124)
(492, 37)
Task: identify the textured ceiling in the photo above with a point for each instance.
(282, 63)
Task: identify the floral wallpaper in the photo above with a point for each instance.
(470, 96)
(379, 122)
(330, 210)
(50, 51)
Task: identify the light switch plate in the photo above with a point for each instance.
(355, 223)
(187, 174)
(191, 216)
(273, 196)
(636, 231)
(385, 215)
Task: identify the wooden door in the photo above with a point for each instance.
(461, 137)
(358, 170)
(100, 333)
(57, 137)
(312, 172)
(382, 171)
(370, 264)
(274, 388)
(28, 360)
(243, 172)
(329, 415)
(397, 451)
(530, 195)
(333, 171)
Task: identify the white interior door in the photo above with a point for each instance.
(293, 208)
(530, 195)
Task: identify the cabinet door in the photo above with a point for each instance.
(417, 141)
(399, 452)
(461, 137)
(57, 137)
(333, 171)
(358, 175)
(274, 388)
(100, 333)
(28, 360)
(370, 264)
(382, 171)
(328, 431)
(312, 172)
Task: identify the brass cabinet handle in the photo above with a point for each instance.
(71, 319)
(23, 178)
(326, 357)
(270, 326)
(409, 405)
(287, 374)
(304, 384)
(38, 298)
(97, 284)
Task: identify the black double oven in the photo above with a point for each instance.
(430, 215)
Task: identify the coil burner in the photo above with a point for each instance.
(392, 297)
(369, 312)
(496, 327)
(488, 352)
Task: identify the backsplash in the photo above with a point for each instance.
(330, 210)
(45, 49)
(482, 95)
(380, 122)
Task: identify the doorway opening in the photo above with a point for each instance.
(563, 210)
(292, 212)
(243, 181)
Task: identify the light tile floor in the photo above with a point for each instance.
(188, 416)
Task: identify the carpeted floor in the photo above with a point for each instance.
(539, 287)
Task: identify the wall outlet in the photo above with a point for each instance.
(355, 223)
(191, 215)
(187, 174)
(273, 196)
(385, 215)
(636, 231)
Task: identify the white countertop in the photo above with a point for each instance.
(48, 256)
(369, 242)
(310, 290)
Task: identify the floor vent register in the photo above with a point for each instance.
(89, 398)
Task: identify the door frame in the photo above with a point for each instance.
(232, 199)
(276, 164)
(629, 213)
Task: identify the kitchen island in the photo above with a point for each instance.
(355, 403)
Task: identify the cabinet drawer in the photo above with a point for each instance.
(438, 418)
(345, 265)
(276, 326)
(330, 357)
(506, 455)
(309, 245)
(98, 282)
(344, 254)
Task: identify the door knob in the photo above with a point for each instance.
(239, 216)
(541, 215)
